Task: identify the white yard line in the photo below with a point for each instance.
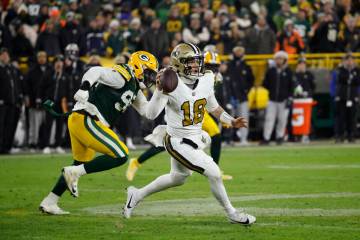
(209, 207)
(315, 166)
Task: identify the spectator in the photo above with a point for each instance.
(34, 11)
(289, 40)
(48, 40)
(5, 37)
(88, 10)
(162, 9)
(305, 79)
(279, 82)
(21, 45)
(195, 33)
(33, 81)
(43, 15)
(282, 15)
(174, 23)
(155, 40)
(72, 32)
(10, 101)
(235, 38)
(74, 68)
(302, 25)
(134, 39)
(349, 38)
(260, 39)
(324, 35)
(54, 87)
(115, 42)
(95, 38)
(242, 80)
(347, 99)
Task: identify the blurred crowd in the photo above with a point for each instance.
(51, 36)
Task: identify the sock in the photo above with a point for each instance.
(218, 190)
(102, 163)
(80, 169)
(53, 198)
(150, 153)
(215, 148)
(161, 183)
(60, 186)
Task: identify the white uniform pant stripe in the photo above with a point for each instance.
(104, 138)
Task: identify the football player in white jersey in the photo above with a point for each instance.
(184, 108)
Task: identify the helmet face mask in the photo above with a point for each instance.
(72, 52)
(145, 67)
(188, 61)
(149, 77)
(193, 66)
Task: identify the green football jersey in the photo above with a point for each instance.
(110, 102)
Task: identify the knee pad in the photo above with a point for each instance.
(212, 171)
(178, 178)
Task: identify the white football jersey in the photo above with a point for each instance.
(185, 107)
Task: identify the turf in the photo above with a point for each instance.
(296, 193)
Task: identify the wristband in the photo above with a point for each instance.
(226, 118)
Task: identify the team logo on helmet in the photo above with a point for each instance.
(144, 57)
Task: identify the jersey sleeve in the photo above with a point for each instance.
(150, 109)
(106, 76)
(212, 103)
(156, 104)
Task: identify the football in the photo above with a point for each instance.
(168, 80)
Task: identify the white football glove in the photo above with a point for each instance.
(81, 96)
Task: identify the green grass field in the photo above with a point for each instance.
(310, 192)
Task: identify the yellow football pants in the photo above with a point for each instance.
(209, 125)
(89, 136)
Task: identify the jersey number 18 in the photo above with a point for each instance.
(199, 110)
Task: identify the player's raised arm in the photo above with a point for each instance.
(216, 110)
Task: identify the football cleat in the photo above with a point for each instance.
(71, 177)
(241, 218)
(226, 177)
(51, 208)
(131, 201)
(132, 168)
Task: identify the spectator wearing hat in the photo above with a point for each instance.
(289, 40)
(155, 40)
(115, 43)
(305, 79)
(195, 33)
(74, 68)
(54, 87)
(260, 39)
(134, 40)
(347, 99)
(242, 80)
(279, 82)
(10, 101)
(72, 32)
(33, 80)
(48, 40)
